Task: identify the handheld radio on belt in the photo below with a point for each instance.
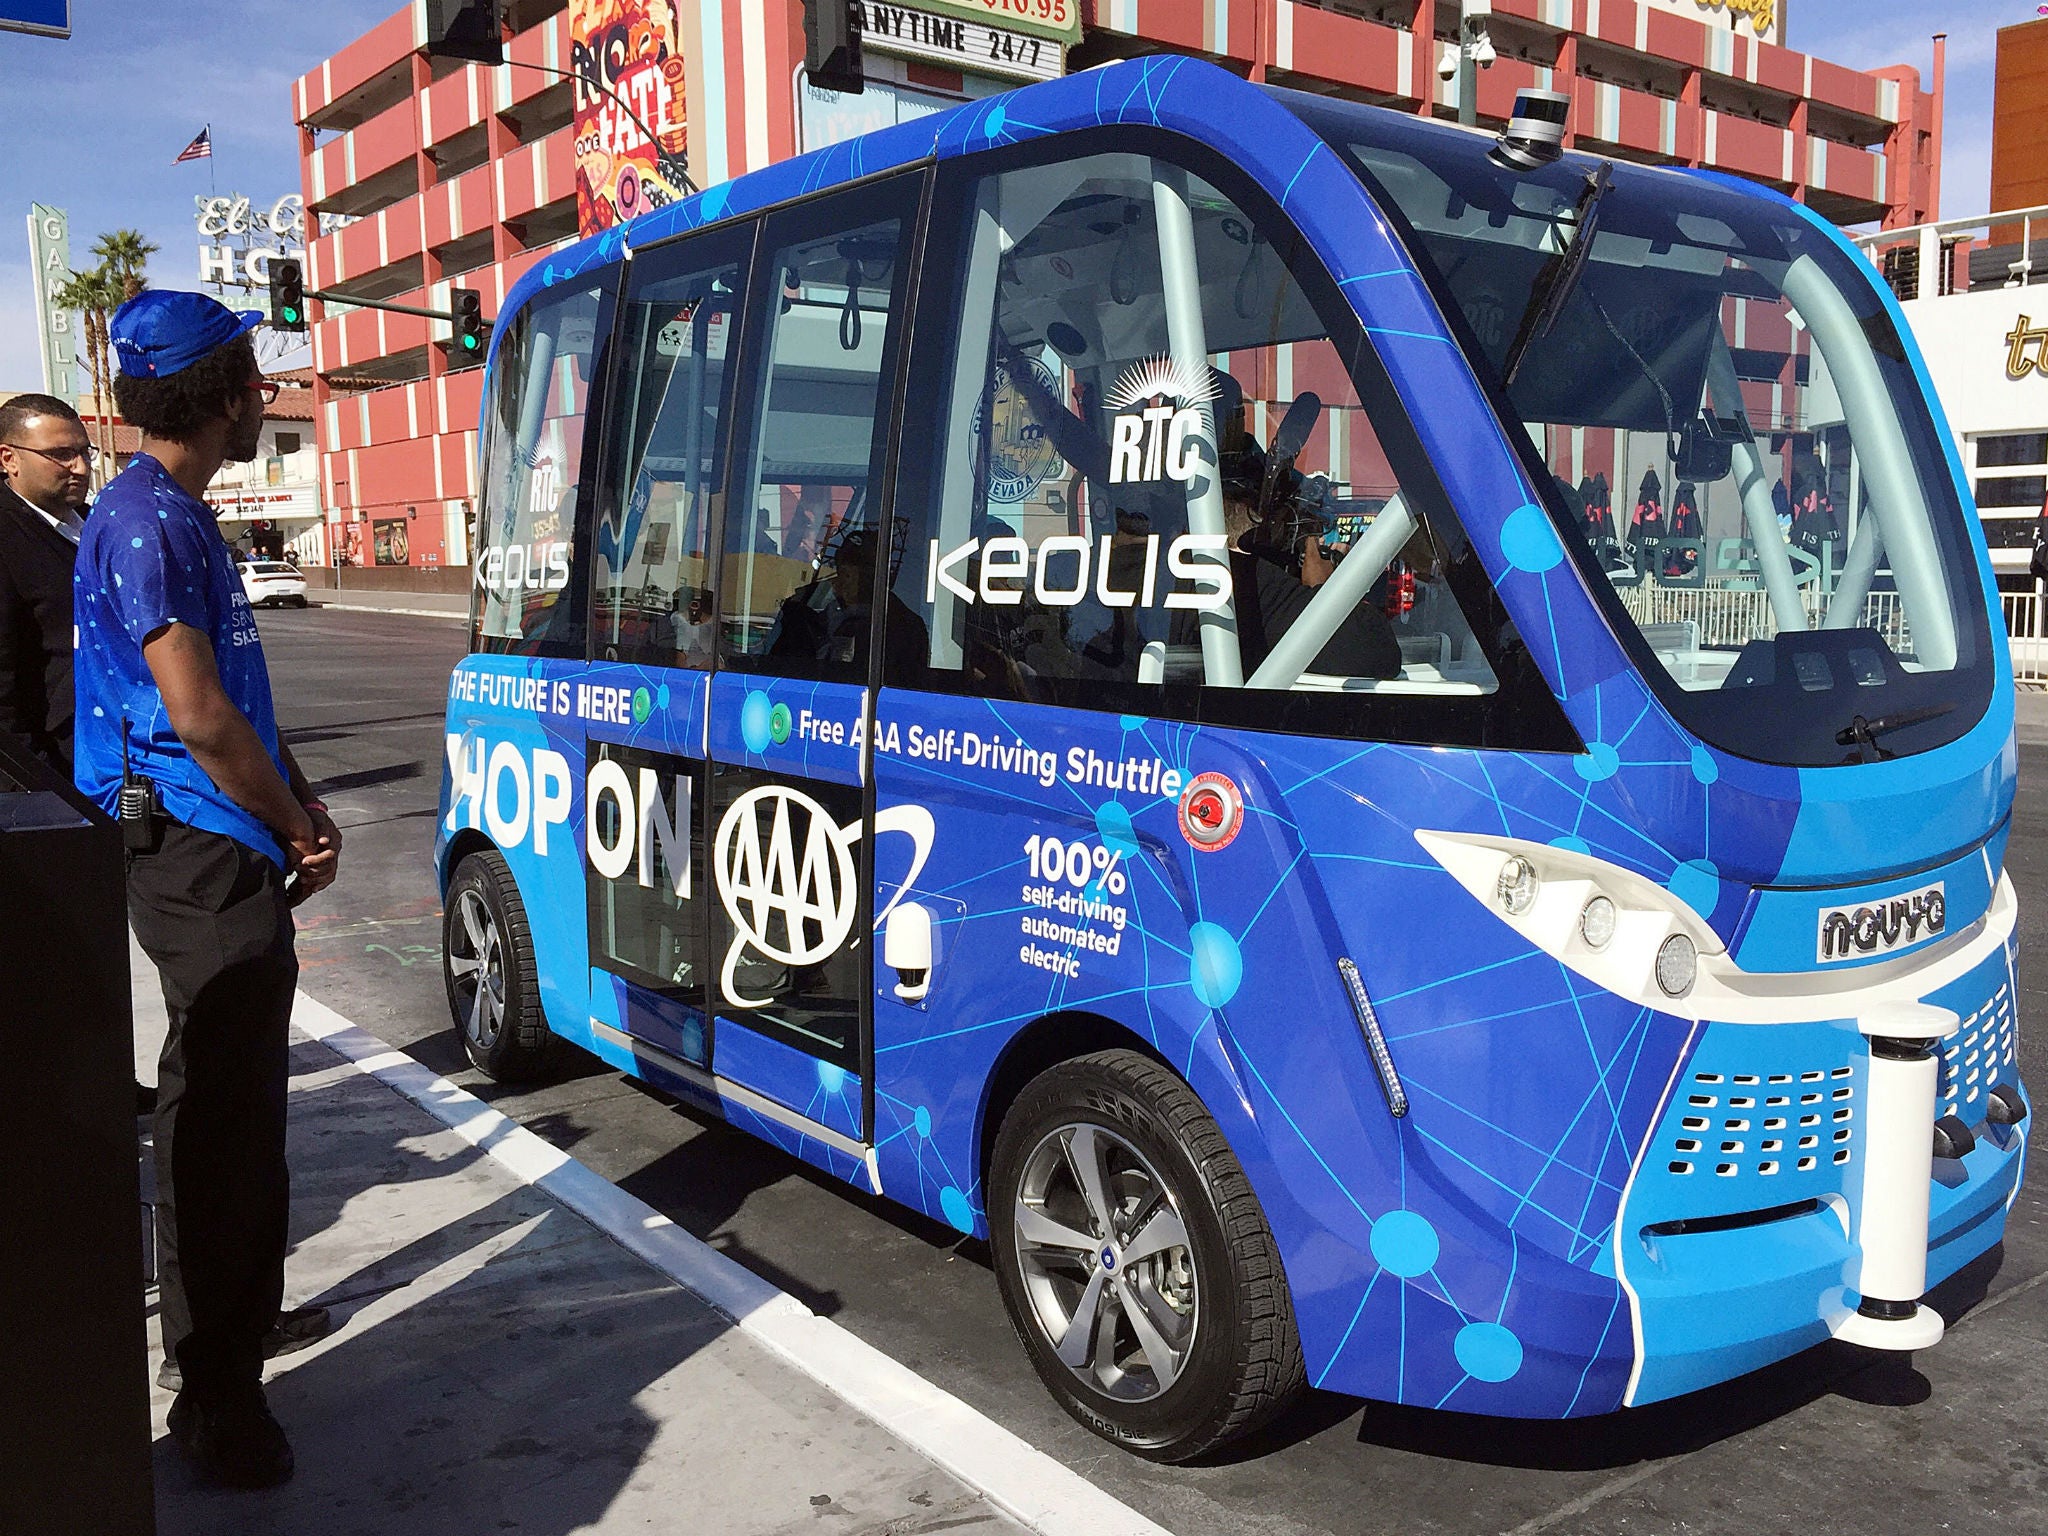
(140, 809)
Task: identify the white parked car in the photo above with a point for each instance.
(272, 581)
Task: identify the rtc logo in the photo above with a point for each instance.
(1162, 427)
(788, 879)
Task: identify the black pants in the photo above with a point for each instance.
(212, 914)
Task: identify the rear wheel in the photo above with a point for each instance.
(487, 964)
(1135, 1262)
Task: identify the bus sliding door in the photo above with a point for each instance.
(789, 820)
(645, 694)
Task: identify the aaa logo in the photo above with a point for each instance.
(788, 879)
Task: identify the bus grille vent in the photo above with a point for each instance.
(1978, 1057)
(1763, 1125)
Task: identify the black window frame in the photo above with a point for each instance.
(567, 636)
(1322, 116)
(1522, 713)
(744, 235)
(790, 224)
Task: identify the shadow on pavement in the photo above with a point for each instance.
(1655, 1432)
(1659, 1431)
(489, 1346)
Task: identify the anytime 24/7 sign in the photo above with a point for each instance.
(972, 46)
(1059, 20)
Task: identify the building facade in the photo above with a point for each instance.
(1976, 292)
(2019, 117)
(421, 175)
(272, 502)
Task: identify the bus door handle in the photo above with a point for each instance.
(907, 949)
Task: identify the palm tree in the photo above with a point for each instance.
(96, 294)
(123, 254)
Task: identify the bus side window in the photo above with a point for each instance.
(797, 583)
(532, 463)
(653, 602)
(1156, 479)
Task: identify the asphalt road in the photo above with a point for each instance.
(1835, 1439)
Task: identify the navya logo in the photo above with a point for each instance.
(1852, 933)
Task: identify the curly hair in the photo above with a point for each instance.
(177, 408)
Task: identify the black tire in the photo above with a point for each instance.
(1158, 1151)
(494, 997)
(299, 601)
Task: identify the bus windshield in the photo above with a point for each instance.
(1730, 436)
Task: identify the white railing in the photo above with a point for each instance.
(1730, 616)
(1930, 260)
(2026, 622)
(1719, 618)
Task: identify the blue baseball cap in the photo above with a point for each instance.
(161, 331)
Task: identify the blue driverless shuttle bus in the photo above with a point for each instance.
(1382, 758)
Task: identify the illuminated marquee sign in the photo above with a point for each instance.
(1056, 19)
(951, 38)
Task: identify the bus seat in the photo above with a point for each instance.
(1429, 650)
(1163, 663)
(1677, 635)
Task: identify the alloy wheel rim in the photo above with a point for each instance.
(476, 961)
(1107, 1269)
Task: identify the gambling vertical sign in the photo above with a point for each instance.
(49, 245)
(634, 49)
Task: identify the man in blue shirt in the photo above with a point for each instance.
(172, 690)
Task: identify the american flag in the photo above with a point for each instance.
(200, 148)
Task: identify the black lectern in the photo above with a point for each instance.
(74, 1393)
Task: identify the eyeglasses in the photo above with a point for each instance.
(269, 389)
(85, 455)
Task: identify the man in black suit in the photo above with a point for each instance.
(47, 465)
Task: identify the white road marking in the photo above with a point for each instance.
(1014, 1475)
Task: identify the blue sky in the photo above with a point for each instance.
(93, 124)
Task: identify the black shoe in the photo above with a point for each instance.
(295, 1330)
(292, 1332)
(236, 1445)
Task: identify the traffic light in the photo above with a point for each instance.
(287, 296)
(832, 45)
(465, 29)
(466, 308)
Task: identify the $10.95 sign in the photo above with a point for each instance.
(1057, 19)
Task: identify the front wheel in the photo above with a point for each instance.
(1135, 1262)
(487, 964)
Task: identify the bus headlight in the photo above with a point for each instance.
(1596, 923)
(1517, 886)
(1677, 962)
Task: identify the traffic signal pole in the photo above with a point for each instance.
(329, 296)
